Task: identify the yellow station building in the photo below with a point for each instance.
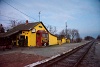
(31, 34)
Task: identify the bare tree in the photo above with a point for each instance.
(7, 28)
(12, 24)
(98, 37)
(77, 37)
(63, 32)
(73, 34)
(69, 33)
(77, 34)
(51, 29)
(2, 30)
(15, 23)
(55, 30)
(89, 38)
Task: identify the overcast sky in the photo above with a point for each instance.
(83, 15)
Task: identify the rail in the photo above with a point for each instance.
(67, 59)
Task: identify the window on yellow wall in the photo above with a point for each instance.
(45, 35)
(40, 26)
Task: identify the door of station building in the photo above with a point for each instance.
(38, 39)
(21, 41)
(41, 38)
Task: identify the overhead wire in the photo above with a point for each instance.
(26, 14)
(17, 2)
(23, 5)
(19, 10)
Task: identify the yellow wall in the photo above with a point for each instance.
(63, 40)
(32, 36)
(59, 42)
(68, 40)
(52, 39)
(31, 39)
(38, 28)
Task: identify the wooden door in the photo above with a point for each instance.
(38, 39)
(22, 41)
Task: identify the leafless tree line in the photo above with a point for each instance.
(72, 34)
(51, 29)
(12, 24)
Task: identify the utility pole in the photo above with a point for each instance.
(39, 15)
(66, 30)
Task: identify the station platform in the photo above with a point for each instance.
(45, 51)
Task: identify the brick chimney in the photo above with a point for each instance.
(26, 21)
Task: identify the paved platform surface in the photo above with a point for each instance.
(45, 51)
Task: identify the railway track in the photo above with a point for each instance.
(68, 59)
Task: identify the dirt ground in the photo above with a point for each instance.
(18, 59)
